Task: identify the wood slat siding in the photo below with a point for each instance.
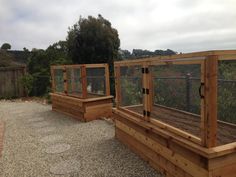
(82, 109)
(10, 86)
(171, 157)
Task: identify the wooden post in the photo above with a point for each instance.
(151, 90)
(24, 92)
(65, 80)
(52, 78)
(146, 92)
(84, 81)
(118, 87)
(202, 113)
(209, 136)
(107, 77)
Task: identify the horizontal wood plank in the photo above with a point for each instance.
(173, 157)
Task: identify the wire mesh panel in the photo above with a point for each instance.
(227, 91)
(176, 94)
(96, 82)
(74, 81)
(58, 80)
(131, 88)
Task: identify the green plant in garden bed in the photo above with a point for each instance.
(27, 81)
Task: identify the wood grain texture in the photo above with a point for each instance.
(10, 82)
(82, 109)
(186, 58)
(209, 137)
(192, 149)
(185, 160)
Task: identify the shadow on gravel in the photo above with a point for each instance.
(58, 118)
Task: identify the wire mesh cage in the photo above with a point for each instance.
(176, 89)
(227, 91)
(82, 81)
(58, 80)
(176, 86)
(74, 81)
(189, 104)
(131, 88)
(96, 82)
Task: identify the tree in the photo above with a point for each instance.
(141, 53)
(124, 54)
(39, 65)
(6, 59)
(164, 52)
(6, 46)
(25, 49)
(93, 40)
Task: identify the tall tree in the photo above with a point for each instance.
(93, 40)
(39, 65)
(6, 46)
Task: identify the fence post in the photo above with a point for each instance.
(65, 80)
(25, 93)
(118, 87)
(146, 91)
(107, 80)
(52, 78)
(209, 124)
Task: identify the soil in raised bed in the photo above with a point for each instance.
(189, 123)
(89, 95)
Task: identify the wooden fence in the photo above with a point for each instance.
(10, 86)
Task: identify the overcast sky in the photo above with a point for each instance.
(180, 25)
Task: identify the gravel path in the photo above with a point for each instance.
(42, 143)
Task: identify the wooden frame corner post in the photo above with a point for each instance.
(107, 77)
(146, 92)
(84, 81)
(65, 81)
(117, 83)
(52, 79)
(209, 135)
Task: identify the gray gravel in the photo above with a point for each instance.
(93, 152)
(57, 148)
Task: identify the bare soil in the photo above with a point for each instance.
(190, 123)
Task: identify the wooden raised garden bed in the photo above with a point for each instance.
(81, 91)
(178, 112)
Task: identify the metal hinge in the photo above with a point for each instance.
(145, 70)
(145, 91)
(148, 113)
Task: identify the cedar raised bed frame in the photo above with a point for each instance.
(83, 106)
(168, 149)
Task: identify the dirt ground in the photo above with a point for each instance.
(191, 124)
